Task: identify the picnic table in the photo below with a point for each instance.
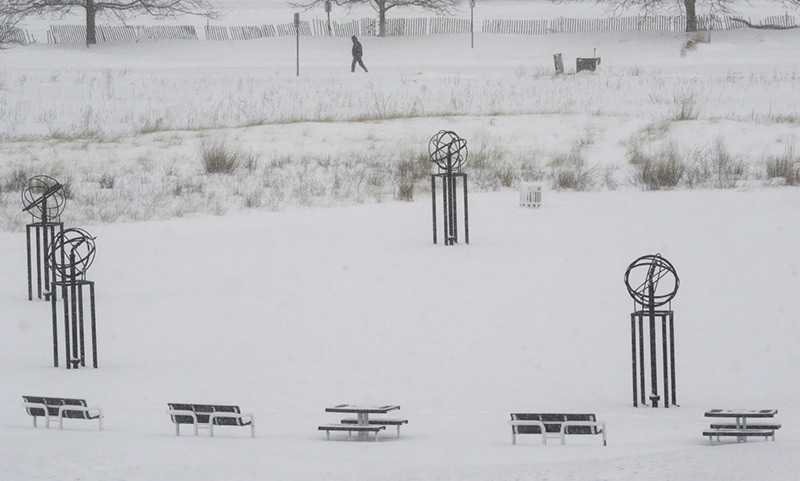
(740, 428)
(363, 425)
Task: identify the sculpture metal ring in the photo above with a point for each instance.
(652, 273)
(71, 253)
(448, 150)
(41, 191)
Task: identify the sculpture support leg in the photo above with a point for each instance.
(94, 326)
(664, 360)
(54, 310)
(466, 212)
(433, 202)
(672, 358)
(633, 359)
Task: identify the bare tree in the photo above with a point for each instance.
(441, 7)
(119, 8)
(689, 7)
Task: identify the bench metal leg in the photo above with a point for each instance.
(177, 429)
(513, 437)
(328, 435)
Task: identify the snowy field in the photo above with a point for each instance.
(288, 313)
(296, 282)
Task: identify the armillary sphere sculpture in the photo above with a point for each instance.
(70, 255)
(449, 152)
(652, 282)
(44, 199)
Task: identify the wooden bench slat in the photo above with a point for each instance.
(738, 432)
(767, 426)
(385, 422)
(351, 427)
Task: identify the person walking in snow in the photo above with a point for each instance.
(357, 53)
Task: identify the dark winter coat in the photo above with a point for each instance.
(357, 50)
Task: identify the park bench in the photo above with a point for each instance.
(351, 428)
(553, 425)
(57, 408)
(380, 422)
(206, 416)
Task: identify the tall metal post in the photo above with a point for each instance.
(472, 23)
(54, 312)
(433, 201)
(633, 360)
(641, 361)
(328, 11)
(297, 32)
(466, 212)
(653, 363)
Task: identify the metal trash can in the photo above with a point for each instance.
(590, 64)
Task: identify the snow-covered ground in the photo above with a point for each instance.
(288, 312)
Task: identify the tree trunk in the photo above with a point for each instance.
(91, 32)
(382, 19)
(691, 16)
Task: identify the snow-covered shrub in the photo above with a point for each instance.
(661, 169)
(685, 107)
(571, 170)
(218, 158)
(785, 166)
(409, 172)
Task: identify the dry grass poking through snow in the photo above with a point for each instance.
(142, 144)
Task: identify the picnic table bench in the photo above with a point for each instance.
(740, 429)
(351, 428)
(206, 416)
(58, 408)
(555, 425)
(379, 422)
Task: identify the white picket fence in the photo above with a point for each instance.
(16, 35)
(119, 33)
(402, 27)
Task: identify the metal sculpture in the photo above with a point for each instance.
(449, 152)
(44, 199)
(70, 255)
(652, 282)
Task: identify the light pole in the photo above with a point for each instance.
(328, 11)
(297, 32)
(472, 23)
